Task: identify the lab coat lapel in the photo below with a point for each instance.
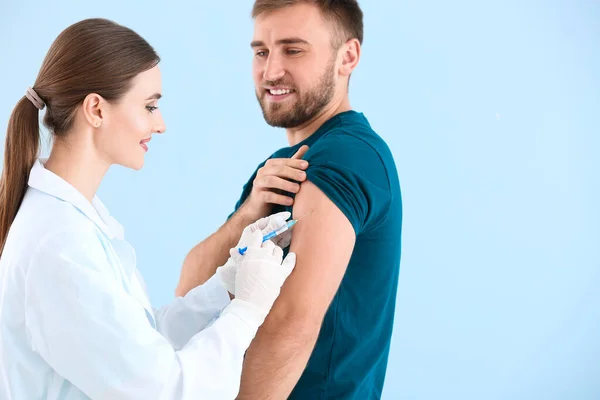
(46, 181)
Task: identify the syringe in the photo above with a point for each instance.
(276, 232)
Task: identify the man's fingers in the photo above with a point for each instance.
(284, 172)
(278, 176)
(274, 198)
(300, 153)
(289, 162)
(273, 182)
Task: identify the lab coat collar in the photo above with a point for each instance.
(46, 181)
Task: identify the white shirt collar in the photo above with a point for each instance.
(46, 181)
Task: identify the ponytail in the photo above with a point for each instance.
(20, 153)
(91, 56)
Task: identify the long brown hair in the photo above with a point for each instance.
(91, 56)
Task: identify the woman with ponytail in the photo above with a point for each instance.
(75, 320)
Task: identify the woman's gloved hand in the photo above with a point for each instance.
(262, 273)
(265, 225)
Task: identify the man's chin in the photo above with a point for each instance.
(276, 119)
(277, 123)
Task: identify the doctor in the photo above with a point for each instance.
(75, 321)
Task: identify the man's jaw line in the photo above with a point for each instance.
(299, 133)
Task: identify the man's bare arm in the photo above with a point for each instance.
(323, 243)
(203, 260)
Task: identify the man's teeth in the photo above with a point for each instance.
(279, 92)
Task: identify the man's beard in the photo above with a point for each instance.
(306, 107)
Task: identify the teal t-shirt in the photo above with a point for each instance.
(354, 167)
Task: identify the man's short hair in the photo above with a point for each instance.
(346, 15)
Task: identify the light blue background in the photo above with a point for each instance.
(491, 110)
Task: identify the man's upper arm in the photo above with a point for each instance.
(347, 192)
(323, 242)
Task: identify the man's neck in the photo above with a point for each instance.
(302, 132)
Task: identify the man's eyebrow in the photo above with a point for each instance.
(155, 96)
(291, 40)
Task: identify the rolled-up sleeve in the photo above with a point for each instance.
(94, 334)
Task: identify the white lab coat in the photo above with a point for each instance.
(76, 322)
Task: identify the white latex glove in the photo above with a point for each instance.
(261, 274)
(265, 225)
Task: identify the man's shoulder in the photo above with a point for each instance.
(353, 134)
(349, 146)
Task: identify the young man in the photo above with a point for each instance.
(328, 334)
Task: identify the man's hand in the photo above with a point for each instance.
(203, 260)
(272, 181)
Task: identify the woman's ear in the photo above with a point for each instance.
(93, 109)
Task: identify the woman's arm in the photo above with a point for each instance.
(185, 316)
(95, 335)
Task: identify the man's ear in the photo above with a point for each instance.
(350, 56)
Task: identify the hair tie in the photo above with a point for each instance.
(35, 99)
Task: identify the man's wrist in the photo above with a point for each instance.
(248, 214)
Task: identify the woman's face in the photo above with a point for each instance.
(128, 124)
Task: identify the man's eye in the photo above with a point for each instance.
(261, 53)
(292, 52)
(151, 108)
